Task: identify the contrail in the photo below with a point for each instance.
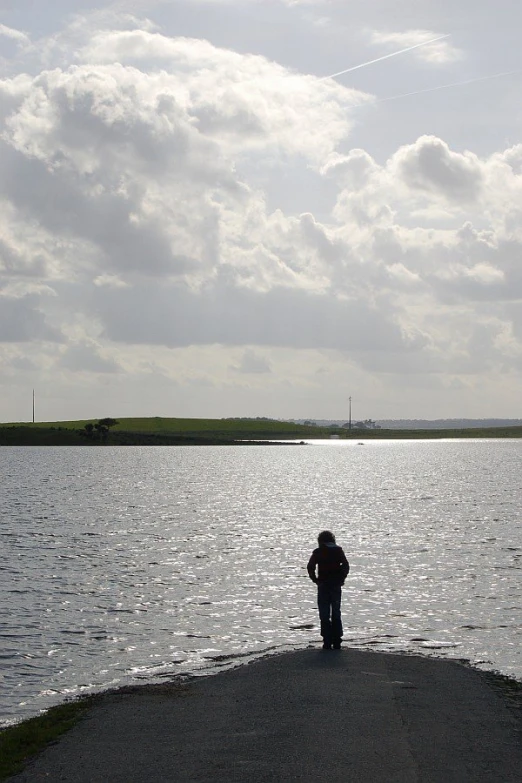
(434, 89)
(386, 57)
(445, 86)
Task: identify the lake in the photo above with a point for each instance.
(140, 563)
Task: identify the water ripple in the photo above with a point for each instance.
(129, 564)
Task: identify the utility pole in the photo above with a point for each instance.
(33, 406)
(350, 417)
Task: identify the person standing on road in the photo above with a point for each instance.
(328, 568)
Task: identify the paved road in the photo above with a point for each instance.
(305, 716)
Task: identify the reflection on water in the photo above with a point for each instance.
(131, 563)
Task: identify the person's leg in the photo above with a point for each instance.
(337, 625)
(323, 604)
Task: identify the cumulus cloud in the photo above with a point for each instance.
(252, 363)
(130, 190)
(135, 167)
(85, 356)
(21, 321)
(430, 165)
(246, 100)
(282, 317)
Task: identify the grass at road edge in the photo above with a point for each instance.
(23, 740)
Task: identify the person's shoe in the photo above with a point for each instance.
(327, 646)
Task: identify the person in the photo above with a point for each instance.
(328, 568)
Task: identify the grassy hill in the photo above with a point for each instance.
(168, 431)
(157, 431)
(208, 428)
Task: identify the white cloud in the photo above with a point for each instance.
(135, 232)
(440, 52)
(429, 165)
(245, 99)
(113, 281)
(485, 274)
(134, 170)
(18, 36)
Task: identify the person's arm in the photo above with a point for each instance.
(311, 567)
(345, 566)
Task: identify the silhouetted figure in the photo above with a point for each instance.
(332, 569)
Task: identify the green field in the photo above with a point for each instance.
(157, 431)
(167, 431)
(207, 428)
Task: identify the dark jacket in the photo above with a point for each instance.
(331, 564)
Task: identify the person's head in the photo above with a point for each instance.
(326, 537)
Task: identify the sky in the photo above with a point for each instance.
(198, 220)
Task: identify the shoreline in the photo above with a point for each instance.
(172, 432)
(407, 699)
(224, 662)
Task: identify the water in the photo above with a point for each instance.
(126, 564)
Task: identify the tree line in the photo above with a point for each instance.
(99, 430)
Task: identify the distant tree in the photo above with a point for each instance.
(103, 426)
(108, 423)
(89, 429)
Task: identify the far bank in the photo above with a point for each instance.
(157, 431)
